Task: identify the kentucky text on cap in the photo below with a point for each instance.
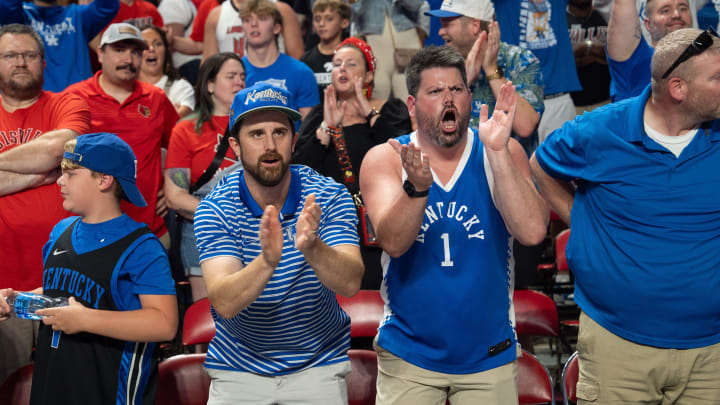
(108, 154)
(477, 9)
(262, 96)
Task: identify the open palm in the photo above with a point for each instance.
(495, 132)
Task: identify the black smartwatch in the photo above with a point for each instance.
(411, 192)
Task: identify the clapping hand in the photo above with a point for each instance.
(415, 163)
(495, 132)
(271, 236)
(308, 224)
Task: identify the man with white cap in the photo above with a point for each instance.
(276, 243)
(139, 113)
(469, 26)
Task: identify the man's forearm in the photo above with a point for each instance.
(187, 46)
(11, 182)
(236, 287)
(339, 268)
(39, 155)
(524, 211)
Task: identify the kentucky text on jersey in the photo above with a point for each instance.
(452, 211)
(82, 287)
(50, 32)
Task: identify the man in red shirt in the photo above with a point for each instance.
(137, 112)
(34, 126)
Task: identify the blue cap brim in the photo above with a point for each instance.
(132, 193)
(291, 113)
(442, 13)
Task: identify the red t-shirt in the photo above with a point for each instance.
(145, 121)
(27, 217)
(188, 149)
(198, 31)
(141, 14)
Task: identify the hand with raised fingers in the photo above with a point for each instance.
(493, 48)
(360, 102)
(495, 132)
(67, 319)
(333, 110)
(415, 163)
(307, 225)
(474, 61)
(271, 236)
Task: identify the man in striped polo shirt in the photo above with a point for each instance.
(276, 243)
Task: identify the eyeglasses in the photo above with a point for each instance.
(28, 56)
(696, 47)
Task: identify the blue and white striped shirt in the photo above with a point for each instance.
(296, 323)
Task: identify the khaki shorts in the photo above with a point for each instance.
(400, 383)
(617, 371)
(316, 385)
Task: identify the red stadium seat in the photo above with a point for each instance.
(365, 310)
(570, 375)
(182, 380)
(533, 381)
(15, 390)
(198, 324)
(535, 314)
(361, 380)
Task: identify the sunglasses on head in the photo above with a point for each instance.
(696, 47)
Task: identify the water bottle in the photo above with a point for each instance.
(25, 304)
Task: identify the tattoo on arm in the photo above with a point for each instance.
(638, 30)
(181, 177)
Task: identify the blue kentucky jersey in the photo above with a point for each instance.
(448, 297)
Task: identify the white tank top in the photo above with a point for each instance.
(229, 31)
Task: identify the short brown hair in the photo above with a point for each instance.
(337, 6)
(67, 164)
(261, 8)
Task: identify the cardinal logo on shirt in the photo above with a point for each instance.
(144, 110)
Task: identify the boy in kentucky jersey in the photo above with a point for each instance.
(117, 277)
(444, 201)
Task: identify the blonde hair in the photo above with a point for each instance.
(261, 8)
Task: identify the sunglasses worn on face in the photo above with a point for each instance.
(696, 47)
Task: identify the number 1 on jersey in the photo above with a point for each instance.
(446, 250)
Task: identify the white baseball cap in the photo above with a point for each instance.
(122, 32)
(478, 9)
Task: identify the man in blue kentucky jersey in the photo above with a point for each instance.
(646, 230)
(445, 202)
(276, 243)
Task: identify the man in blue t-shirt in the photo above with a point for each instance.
(645, 230)
(628, 53)
(276, 243)
(445, 202)
(262, 23)
(66, 32)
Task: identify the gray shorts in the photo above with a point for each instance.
(317, 385)
(189, 250)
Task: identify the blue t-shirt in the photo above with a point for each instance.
(145, 269)
(66, 32)
(645, 226)
(709, 15)
(448, 296)
(296, 323)
(541, 28)
(629, 78)
(290, 74)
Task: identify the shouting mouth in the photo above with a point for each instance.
(449, 120)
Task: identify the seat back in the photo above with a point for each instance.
(560, 244)
(198, 324)
(182, 380)
(533, 381)
(361, 380)
(570, 375)
(15, 389)
(535, 314)
(365, 310)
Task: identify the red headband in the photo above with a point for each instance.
(367, 53)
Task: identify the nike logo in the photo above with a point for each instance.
(59, 252)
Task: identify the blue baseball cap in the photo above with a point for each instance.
(262, 96)
(108, 154)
